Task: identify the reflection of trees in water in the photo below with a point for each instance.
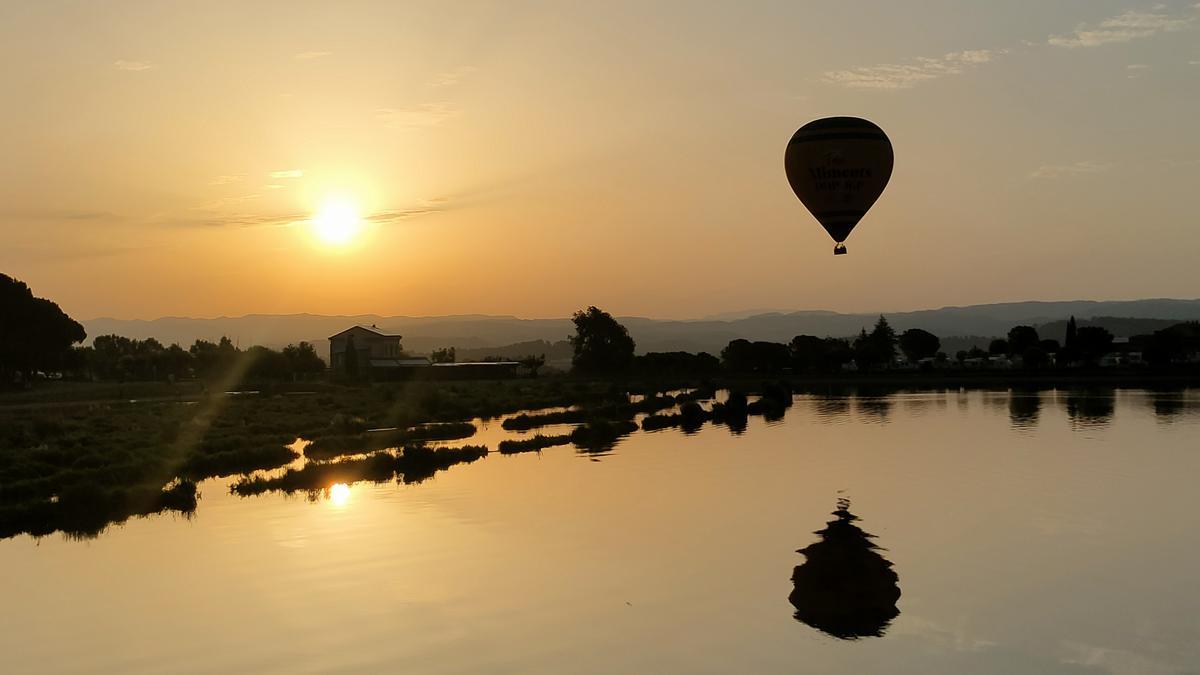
(917, 403)
(873, 407)
(831, 408)
(1170, 405)
(845, 587)
(1024, 408)
(1090, 408)
(996, 401)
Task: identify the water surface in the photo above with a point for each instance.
(1051, 532)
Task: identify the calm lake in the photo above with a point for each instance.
(1052, 532)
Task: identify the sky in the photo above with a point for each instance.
(532, 158)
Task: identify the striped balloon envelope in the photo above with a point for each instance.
(838, 167)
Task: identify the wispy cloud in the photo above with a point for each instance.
(55, 214)
(244, 219)
(894, 76)
(424, 115)
(308, 56)
(452, 77)
(227, 179)
(135, 66)
(1135, 70)
(287, 173)
(397, 215)
(1131, 25)
(1086, 167)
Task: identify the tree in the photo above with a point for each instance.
(822, 355)
(35, 334)
(1034, 357)
(602, 345)
(919, 344)
(1070, 351)
(1171, 344)
(1021, 339)
(877, 348)
(263, 363)
(744, 356)
(533, 363)
(445, 355)
(998, 347)
(1092, 342)
(303, 360)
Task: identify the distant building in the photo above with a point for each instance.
(476, 370)
(375, 350)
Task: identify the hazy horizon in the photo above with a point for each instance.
(533, 158)
(714, 316)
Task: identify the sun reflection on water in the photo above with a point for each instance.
(339, 494)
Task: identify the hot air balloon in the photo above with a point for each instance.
(838, 167)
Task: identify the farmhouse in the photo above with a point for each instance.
(374, 351)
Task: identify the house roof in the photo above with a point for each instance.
(399, 363)
(476, 363)
(369, 329)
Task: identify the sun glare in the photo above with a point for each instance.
(339, 494)
(337, 223)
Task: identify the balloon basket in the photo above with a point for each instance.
(839, 249)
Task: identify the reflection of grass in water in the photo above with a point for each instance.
(327, 447)
(84, 510)
(414, 464)
(510, 447)
(601, 435)
(525, 422)
(125, 454)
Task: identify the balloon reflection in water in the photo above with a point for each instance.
(845, 587)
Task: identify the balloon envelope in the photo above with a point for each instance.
(838, 167)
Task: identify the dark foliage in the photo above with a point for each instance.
(917, 344)
(759, 357)
(602, 345)
(35, 334)
(876, 349)
(533, 444)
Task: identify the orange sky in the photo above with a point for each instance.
(534, 158)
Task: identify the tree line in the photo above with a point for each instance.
(602, 345)
(113, 357)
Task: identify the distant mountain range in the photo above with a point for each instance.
(474, 334)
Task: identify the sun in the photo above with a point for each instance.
(337, 223)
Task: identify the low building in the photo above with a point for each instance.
(374, 350)
(475, 370)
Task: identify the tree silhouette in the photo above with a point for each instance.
(1092, 342)
(602, 344)
(1021, 339)
(919, 344)
(35, 334)
(303, 360)
(533, 363)
(877, 348)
